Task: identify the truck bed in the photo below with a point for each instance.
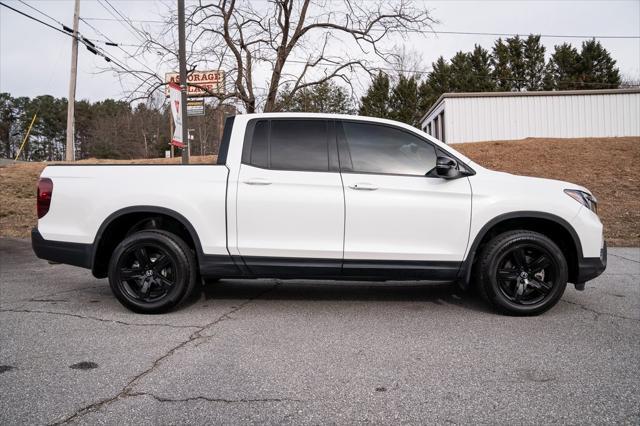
(86, 195)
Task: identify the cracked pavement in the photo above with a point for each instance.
(268, 351)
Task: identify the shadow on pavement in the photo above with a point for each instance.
(293, 290)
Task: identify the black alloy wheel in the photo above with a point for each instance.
(152, 271)
(521, 273)
(146, 272)
(526, 274)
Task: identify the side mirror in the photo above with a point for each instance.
(447, 168)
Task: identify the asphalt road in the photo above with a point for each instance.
(294, 352)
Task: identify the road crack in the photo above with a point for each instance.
(87, 317)
(622, 257)
(597, 314)
(210, 399)
(126, 392)
(72, 290)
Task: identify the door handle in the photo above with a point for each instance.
(257, 181)
(363, 187)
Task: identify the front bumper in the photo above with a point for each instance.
(75, 254)
(591, 267)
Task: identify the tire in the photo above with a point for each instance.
(521, 273)
(152, 271)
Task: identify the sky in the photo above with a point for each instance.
(35, 60)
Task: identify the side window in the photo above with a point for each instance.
(385, 150)
(259, 155)
(299, 145)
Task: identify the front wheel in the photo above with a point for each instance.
(522, 273)
(152, 271)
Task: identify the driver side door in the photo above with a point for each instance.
(396, 218)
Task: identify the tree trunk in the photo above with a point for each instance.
(251, 106)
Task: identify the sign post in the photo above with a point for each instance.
(182, 59)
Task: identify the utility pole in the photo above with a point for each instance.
(182, 57)
(71, 101)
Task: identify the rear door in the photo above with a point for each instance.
(290, 200)
(397, 217)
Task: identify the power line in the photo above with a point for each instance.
(144, 21)
(124, 19)
(38, 20)
(94, 49)
(541, 35)
(112, 43)
(69, 30)
(436, 32)
(41, 13)
(135, 31)
(86, 42)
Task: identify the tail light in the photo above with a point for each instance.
(45, 191)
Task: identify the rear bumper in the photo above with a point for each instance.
(591, 267)
(75, 254)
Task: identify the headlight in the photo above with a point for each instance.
(584, 198)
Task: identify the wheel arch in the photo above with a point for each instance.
(121, 222)
(556, 228)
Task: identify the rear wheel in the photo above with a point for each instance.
(522, 273)
(152, 271)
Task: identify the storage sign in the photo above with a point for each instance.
(199, 83)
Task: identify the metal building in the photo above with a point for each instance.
(490, 116)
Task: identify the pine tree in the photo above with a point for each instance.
(438, 82)
(534, 65)
(563, 69)
(515, 47)
(327, 97)
(461, 73)
(547, 79)
(8, 120)
(480, 61)
(286, 101)
(424, 97)
(500, 62)
(597, 68)
(403, 102)
(48, 134)
(376, 102)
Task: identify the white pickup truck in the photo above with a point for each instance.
(320, 196)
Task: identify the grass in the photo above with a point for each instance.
(607, 166)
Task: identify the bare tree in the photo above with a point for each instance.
(263, 46)
(629, 82)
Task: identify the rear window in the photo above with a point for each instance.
(300, 145)
(259, 148)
